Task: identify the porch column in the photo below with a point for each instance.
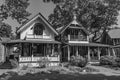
(98, 53)
(89, 53)
(52, 49)
(59, 52)
(68, 53)
(32, 52)
(108, 51)
(113, 52)
(20, 44)
(76, 50)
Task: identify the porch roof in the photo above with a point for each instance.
(89, 44)
(116, 46)
(31, 41)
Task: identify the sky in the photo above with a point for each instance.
(35, 7)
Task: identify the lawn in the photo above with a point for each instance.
(58, 76)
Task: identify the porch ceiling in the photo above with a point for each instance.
(89, 44)
(32, 41)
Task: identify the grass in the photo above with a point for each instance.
(54, 75)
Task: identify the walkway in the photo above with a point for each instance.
(105, 71)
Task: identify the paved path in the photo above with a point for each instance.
(105, 71)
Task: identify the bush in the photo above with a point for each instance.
(43, 62)
(78, 61)
(107, 60)
(110, 60)
(6, 65)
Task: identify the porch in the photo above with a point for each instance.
(30, 52)
(91, 51)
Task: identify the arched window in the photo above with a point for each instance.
(38, 29)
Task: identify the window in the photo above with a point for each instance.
(38, 29)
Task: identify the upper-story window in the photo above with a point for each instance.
(38, 29)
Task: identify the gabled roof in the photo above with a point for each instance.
(114, 33)
(39, 15)
(76, 25)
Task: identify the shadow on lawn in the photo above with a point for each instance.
(57, 76)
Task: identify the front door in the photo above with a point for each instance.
(94, 55)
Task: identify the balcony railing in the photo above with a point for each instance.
(31, 36)
(77, 38)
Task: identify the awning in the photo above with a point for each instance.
(88, 44)
(32, 41)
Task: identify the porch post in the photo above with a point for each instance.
(68, 53)
(98, 53)
(113, 52)
(59, 52)
(52, 49)
(89, 53)
(20, 44)
(32, 52)
(108, 51)
(76, 50)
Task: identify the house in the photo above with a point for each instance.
(37, 39)
(77, 42)
(112, 37)
(2, 48)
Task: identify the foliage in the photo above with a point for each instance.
(44, 62)
(6, 65)
(110, 60)
(24, 67)
(16, 9)
(78, 61)
(14, 63)
(94, 15)
(5, 30)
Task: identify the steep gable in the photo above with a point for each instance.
(39, 15)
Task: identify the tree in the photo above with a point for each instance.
(94, 15)
(16, 9)
(5, 30)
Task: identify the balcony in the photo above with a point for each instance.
(75, 38)
(31, 36)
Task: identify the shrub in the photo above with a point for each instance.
(78, 61)
(14, 63)
(107, 60)
(110, 60)
(24, 67)
(43, 62)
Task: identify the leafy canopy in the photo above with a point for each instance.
(92, 14)
(16, 9)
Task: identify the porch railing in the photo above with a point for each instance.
(77, 38)
(27, 59)
(31, 36)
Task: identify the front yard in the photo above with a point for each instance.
(54, 74)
